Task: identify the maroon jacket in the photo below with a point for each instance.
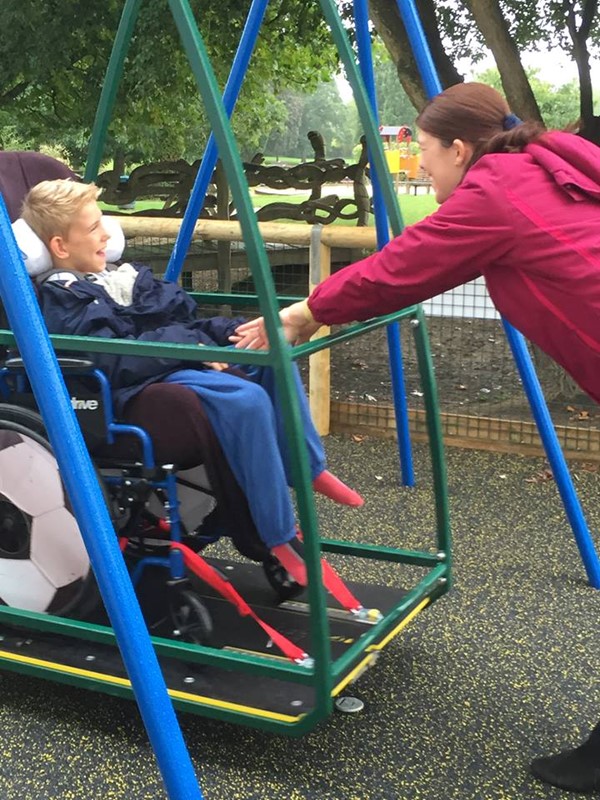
(530, 224)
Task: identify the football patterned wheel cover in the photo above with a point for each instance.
(44, 565)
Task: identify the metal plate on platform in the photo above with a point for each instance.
(348, 705)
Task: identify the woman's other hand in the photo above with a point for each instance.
(219, 366)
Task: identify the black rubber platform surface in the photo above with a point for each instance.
(502, 669)
(209, 685)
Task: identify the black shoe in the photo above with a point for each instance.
(576, 770)
(280, 579)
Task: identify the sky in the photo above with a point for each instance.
(554, 66)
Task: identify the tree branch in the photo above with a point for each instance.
(494, 28)
(579, 37)
(12, 94)
(590, 8)
(388, 24)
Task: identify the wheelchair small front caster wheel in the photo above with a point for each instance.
(280, 580)
(190, 619)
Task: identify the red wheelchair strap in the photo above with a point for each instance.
(335, 585)
(209, 575)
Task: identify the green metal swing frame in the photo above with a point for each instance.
(328, 676)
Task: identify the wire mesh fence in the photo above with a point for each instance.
(482, 401)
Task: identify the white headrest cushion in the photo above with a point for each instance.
(116, 242)
(34, 252)
(36, 255)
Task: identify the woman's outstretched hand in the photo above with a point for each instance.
(298, 326)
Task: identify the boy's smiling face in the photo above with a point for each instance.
(83, 247)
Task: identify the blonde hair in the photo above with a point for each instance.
(50, 206)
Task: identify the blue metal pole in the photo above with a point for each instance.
(419, 46)
(560, 470)
(361, 24)
(96, 527)
(521, 355)
(207, 165)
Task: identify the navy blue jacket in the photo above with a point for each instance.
(160, 312)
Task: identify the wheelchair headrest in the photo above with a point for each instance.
(37, 256)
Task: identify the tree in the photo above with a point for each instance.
(571, 25)
(457, 29)
(321, 110)
(283, 140)
(53, 69)
(496, 33)
(559, 105)
(582, 22)
(393, 104)
(388, 24)
(325, 112)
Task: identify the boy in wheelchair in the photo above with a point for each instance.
(81, 295)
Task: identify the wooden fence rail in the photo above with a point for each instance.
(273, 232)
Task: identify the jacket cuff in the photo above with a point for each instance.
(306, 312)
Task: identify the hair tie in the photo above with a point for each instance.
(511, 121)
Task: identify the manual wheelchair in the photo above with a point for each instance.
(164, 476)
(153, 505)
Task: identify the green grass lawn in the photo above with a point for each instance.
(417, 207)
(413, 207)
(140, 205)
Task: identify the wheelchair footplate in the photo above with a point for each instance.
(210, 688)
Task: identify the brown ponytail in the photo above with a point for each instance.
(476, 113)
(512, 141)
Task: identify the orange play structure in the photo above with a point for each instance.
(396, 139)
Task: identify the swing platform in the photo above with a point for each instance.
(86, 654)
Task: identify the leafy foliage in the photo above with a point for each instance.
(54, 55)
(55, 58)
(321, 110)
(393, 104)
(559, 105)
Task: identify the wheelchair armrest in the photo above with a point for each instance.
(69, 366)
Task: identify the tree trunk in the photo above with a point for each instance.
(494, 29)
(388, 24)
(119, 161)
(590, 124)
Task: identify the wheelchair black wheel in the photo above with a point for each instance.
(23, 416)
(44, 566)
(190, 618)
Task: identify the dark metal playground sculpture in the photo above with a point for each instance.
(172, 182)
